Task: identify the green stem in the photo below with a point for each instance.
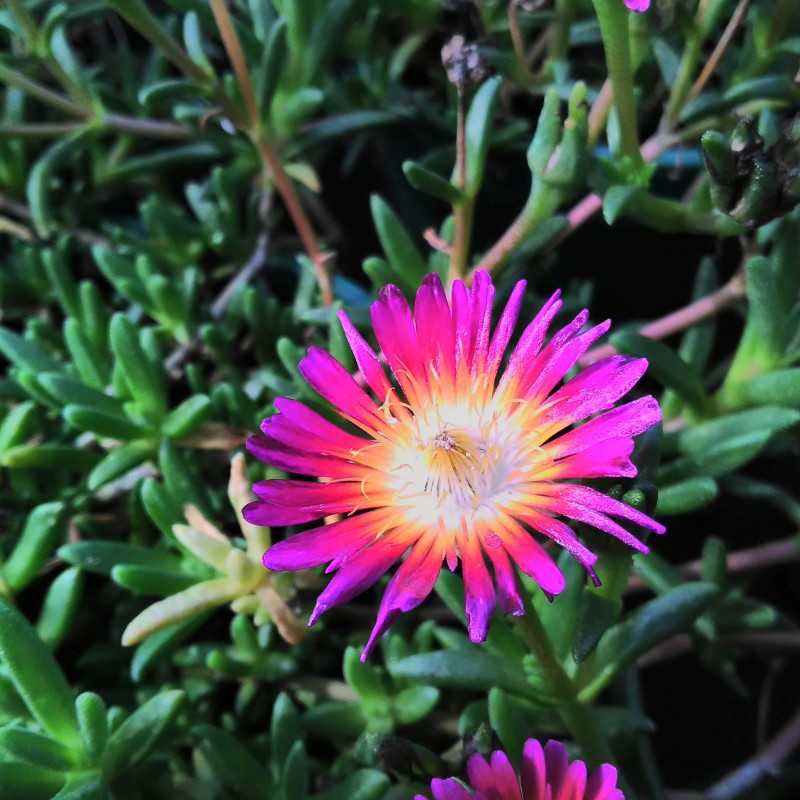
(613, 18)
(14, 78)
(558, 43)
(683, 80)
(26, 22)
(540, 206)
(462, 212)
(577, 717)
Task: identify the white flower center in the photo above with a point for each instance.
(454, 465)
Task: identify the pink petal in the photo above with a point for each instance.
(530, 342)
(301, 416)
(394, 329)
(360, 572)
(602, 784)
(319, 545)
(481, 320)
(534, 771)
(594, 389)
(366, 358)
(563, 536)
(309, 499)
(557, 761)
(268, 515)
(434, 325)
(270, 451)
(409, 586)
(608, 459)
(574, 785)
(594, 518)
(449, 789)
(462, 324)
(530, 556)
(638, 5)
(598, 501)
(331, 380)
(505, 327)
(479, 594)
(623, 421)
(558, 364)
(507, 589)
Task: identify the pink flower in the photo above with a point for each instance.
(546, 775)
(638, 5)
(455, 458)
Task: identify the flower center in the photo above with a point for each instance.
(445, 471)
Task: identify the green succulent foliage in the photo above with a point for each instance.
(155, 300)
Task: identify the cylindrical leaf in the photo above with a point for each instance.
(60, 606)
(39, 681)
(44, 529)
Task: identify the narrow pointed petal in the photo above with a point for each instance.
(366, 358)
(534, 771)
(479, 594)
(317, 546)
(602, 784)
(359, 573)
(411, 584)
(329, 379)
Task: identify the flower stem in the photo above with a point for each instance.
(576, 716)
(462, 212)
(540, 206)
(613, 18)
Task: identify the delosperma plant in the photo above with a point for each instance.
(282, 518)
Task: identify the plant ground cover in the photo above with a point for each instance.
(192, 191)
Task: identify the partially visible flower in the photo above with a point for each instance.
(457, 459)
(547, 774)
(638, 5)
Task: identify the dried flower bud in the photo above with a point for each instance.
(751, 182)
(463, 62)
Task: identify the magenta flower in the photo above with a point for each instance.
(638, 5)
(546, 775)
(450, 461)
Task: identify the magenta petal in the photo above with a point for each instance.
(268, 515)
(394, 330)
(409, 586)
(602, 784)
(556, 365)
(272, 452)
(508, 594)
(319, 545)
(505, 327)
(301, 416)
(609, 459)
(532, 558)
(564, 536)
(505, 777)
(594, 389)
(481, 312)
(557, 761)
(534, 771)
(598, 501)
(366, 359)
(638, 5)
(434, 325)
(530, 341)
(596, 519)
(623, 421)
(574, 785)
(449, 789)
(329, 379)
(479, 594)
(359, 573)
